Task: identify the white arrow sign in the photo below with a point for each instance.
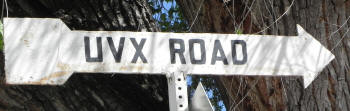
(45, 51)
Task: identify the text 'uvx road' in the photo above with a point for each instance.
(46, 51)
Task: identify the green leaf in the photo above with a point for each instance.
(239, 31)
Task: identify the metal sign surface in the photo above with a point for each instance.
(200, 100)
(46, 51)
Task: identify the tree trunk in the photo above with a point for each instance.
(89, 91)
(326, 20)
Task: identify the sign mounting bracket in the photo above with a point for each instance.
(177, 87)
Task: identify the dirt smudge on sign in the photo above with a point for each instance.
(132, 68)
(45, 80)
(53, 75)
(63, 67)
(123, 68)
(26, 43)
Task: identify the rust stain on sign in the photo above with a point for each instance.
(139, 68)
(45, 79)
(123, 68)
(63, 67)
(132, 68)
(53, 75)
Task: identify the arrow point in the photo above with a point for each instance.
(299, 28)
(302, 32)
(308, 78)
(314, 56)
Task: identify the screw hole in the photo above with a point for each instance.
(179, 88)
(179, 79)
(180, 97)
(181, 105)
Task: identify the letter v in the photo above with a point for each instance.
(117, 55)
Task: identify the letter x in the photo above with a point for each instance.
(138, 48)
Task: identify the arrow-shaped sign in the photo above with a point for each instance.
(45, 51)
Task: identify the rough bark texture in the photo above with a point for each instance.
(89, 91)
(326, 20)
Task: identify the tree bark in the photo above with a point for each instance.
(327, 20)
(89, 91)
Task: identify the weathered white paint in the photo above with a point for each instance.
(45, 51)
